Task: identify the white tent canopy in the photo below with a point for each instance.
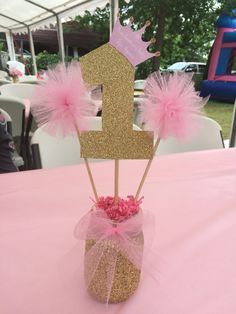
(23, 16)
(19, 15)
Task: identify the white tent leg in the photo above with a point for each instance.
(13, 47)
(10, 45)
(60, 39)
(75, 52)
(232, 141)
(114, 10)
(31, 42)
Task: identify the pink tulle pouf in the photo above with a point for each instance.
(114, 248)
(60, 102)
(170, 104)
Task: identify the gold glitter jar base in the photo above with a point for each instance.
(126, 278)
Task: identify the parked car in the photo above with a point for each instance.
(196, 67)
(26, 54)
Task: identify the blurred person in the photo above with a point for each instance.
(7, 148)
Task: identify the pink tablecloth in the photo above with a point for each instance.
(193, 198)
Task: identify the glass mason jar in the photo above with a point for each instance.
(115, 278)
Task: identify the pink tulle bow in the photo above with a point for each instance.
(60, 102)
(96, 226)
(170, 104)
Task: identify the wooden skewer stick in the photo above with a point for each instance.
(88, 169)
(147, 169)
(116, 183)
(91, 178)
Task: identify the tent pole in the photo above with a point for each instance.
(32, 51)
(9, 48)
(59, 29)
(10, 38)
(60, 39)
(114, 10)
(233, 128)
(12, 46)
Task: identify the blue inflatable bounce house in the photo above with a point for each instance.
(221, 76)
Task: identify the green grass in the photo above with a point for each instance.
(222, 113)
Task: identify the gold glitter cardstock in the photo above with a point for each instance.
(106, 66)
(126, 277)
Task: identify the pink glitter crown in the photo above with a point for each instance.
(130, 43)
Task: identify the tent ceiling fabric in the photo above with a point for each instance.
(23, 13)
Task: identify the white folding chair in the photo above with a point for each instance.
(4, 82)
(4, 78)
(208, 136)
(3, 75)
(23, 91)
(139, 85)
(16, 109)
(28, 79)
(50, 151)
(8, 120)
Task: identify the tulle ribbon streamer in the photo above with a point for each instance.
(119, 237)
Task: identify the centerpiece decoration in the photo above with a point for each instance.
(15, 73)
(113, 227)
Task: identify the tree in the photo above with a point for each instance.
(228, 6)
(98, 21)
(183, 30)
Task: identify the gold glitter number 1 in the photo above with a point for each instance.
(106, 66)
